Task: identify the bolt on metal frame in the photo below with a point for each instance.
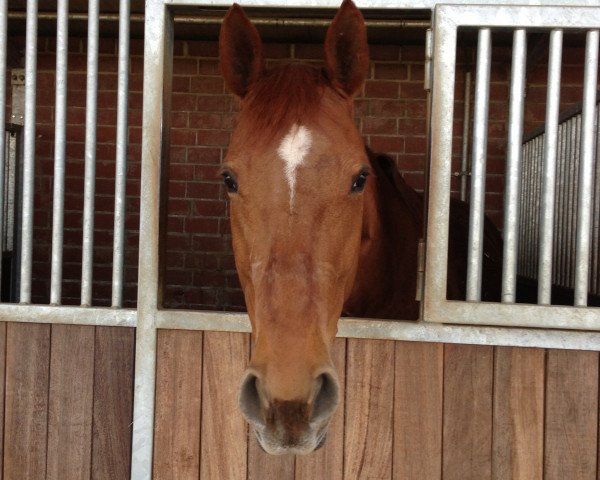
(447, 20)
(149, 316)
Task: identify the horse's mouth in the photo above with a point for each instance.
(320, 444)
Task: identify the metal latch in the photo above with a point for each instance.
(428, 60)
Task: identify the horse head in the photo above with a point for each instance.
(295, 173)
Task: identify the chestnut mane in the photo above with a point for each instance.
(284, 95)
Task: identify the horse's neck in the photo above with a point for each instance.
(385, 283)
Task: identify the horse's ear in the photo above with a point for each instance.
(240, 51)
(346, 49)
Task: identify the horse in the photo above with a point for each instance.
(320, 226)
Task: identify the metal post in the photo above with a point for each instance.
(91, 106)
(513, 166)
(464, 163)
(121, 159)
(28, 151)
(3, 41)
(60, 141)
(480, 123)
(157, 65)
(549, 178)
(586, 173)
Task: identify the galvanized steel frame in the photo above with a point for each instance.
(149, 316)
(447, 19)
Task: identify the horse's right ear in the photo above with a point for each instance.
(240, 51)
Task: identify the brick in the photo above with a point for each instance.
(210, 208)
(381, 126)
(386, 144)
(204, 155)
(207, 84)
(202, 48)
(199, 225)
(412, 53)
(387, 108)
(213, 103)
(183, 137)
(213, 137)
(205, 190)
(384, 52)
(381, 89)
(391, 71)
(203, 120)
(185, 66)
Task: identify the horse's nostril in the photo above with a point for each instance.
(326, 398)
(250, 403)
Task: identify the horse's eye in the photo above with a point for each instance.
(358, 185)
(230, 182)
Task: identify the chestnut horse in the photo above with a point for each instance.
(320, 226)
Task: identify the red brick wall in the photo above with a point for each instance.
(390, 112)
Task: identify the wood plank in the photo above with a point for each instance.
(571, 415)
(178, 402)
(369, 409)
(418, 405)
(328, 462)
(262, 466)
(224, 440)
(518, 441)
(26, 404)
(113, 402)
(70, 402)
(2, 390)
(467, 444)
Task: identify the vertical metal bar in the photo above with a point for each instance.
(596, 212)
(522, 193)
(157, 67)
(513, 166)
(28, 150)
(121, 159)
(480, 123)
(573, 192)
(560, 203)
(3, 41)
(550, 154)
(60, 141)
(584, 202)
(91, 106)
(464, 164)
(535, 235)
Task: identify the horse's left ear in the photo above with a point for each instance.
(240, 51)
(346, 49)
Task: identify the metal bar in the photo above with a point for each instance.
(513, 166)
(121, 156)
(442, 118)
(91, 107)
(585, 198)
(55, 314)
(550, 155)
(596, 213)
(3, 42)
(60, 142)
(561, 196)
(397, 330)
(28, 151)
(216, 20)
(157, 61)
(478, 164)
(517, 315)
(464, 164)
(573, 192)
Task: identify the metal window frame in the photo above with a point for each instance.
(437, 309)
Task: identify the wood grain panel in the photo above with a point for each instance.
(518, 443)
(418, 405)
(328, 462)
(571, 415)
(224, 431)
(369, 409)
(2, 390)
(262, 466)
(70, 402)
(114, 355)
(467, 444)
(26, 404)
(178, 397)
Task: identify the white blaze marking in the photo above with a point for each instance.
(293, 148)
